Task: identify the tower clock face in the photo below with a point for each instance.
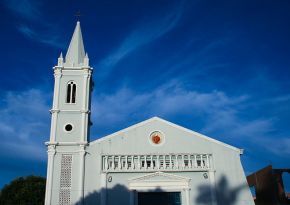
(156, 138)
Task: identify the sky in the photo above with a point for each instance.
(221, 68)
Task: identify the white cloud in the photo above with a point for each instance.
(24, 123)
(144, 34)
(218, 110)
(28, 9)
(45, 38)
(278, 146)
(220, 114)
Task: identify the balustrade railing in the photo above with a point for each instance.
(167, 162)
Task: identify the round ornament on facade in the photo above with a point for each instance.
(156, 138)
(68, 127)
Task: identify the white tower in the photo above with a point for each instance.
(70, 121)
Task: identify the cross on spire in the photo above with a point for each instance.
(78, 15)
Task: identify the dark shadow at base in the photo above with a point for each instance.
(118, 195)
(225, 195)
(121, 195)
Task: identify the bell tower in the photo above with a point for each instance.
(70, 121)
(70, 110)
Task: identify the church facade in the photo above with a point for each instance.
(152, 162)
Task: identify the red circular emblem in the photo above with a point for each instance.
(156, 139)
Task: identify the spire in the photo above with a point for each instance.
(76, 52)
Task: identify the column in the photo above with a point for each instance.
(187, 199)
(84, 109)
(50, 164)
(82, 154)
(55, 106)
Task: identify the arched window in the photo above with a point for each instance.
(71, 92)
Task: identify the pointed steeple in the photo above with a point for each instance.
(76, 52)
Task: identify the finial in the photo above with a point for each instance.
(60, 60)
(86, 60)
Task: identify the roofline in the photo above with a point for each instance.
(240, 151)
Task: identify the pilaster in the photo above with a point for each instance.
(50, 167)
(55, 106)
(82, 153)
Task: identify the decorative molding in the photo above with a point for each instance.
(54, 111)
(76, 111)
(65, 143)
(58, 68)
(85, 111)
(82, 150)
(160, 180)
(51, 149)
(163, 174)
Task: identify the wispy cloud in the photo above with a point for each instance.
(48, 39)
(221, 116)
(24, 123)
(28, 9)
(143, 34)
(218, 111)
(280, 147)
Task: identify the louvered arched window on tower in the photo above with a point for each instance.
(71, 92)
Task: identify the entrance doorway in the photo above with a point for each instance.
(159, 198)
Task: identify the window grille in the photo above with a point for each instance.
(71, 92)
(65, 179)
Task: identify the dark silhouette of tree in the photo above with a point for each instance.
(119, 194)
(28, 190)
(225, 194)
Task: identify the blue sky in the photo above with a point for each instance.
(221, 68)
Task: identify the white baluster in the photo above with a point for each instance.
(132, 162)
(113, 160)
(119, 163)
(145, 162)
(183, 164)
(106, 163)
(189, 161)
(139, 162)
(207, 161)
(126, 162)
(157, 162)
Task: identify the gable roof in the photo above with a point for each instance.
(240, 151)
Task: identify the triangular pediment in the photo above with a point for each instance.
(159, 181)
(157, 120)
(159, 176)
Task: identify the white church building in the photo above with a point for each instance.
(154, 162)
